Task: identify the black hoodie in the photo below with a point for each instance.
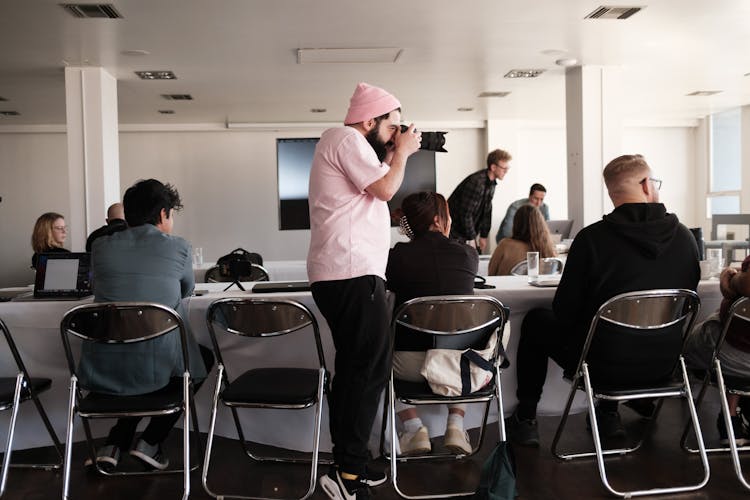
(639, 246)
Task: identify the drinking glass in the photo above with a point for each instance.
(532, 265)
(198, 256)
(713, 255)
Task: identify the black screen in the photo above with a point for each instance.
(294, 159)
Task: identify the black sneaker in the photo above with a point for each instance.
(522, 431)
(373, 477)
(151, 455)
(740, 433)
(107, 458)
(338, 488)
(609, 423)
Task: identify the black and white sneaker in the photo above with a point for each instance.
(150, 454)
(374, 478)
(107, 458)
(338, 488)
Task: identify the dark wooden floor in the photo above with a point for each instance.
(540, 475)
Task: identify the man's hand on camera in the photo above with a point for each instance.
(408, 142)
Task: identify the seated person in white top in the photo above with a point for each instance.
(536, 198)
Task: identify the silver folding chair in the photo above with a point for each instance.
(126, 323)
(632, 352)
(739, 318)
(286, 387)
(13, 392)
(453, 322)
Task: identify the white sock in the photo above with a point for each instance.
(412, 424)
(456, 420)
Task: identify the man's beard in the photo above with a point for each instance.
(377, 144)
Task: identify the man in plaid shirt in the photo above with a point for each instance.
(471, 202)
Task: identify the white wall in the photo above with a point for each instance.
(227, 180)
(33, 180)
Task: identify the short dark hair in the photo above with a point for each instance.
(537, 187)
(145, 200)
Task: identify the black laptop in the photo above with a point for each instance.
(281, 286)
(63, 276)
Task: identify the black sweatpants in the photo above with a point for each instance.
(157, 430)
(358, 316)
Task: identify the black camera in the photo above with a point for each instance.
(431, 141)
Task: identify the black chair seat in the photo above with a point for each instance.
(421, 390)
(273, 386)
(651, 389)
(168, 398)
(8, 387)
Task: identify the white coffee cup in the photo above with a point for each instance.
(706, 269)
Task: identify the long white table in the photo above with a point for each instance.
(35, 327)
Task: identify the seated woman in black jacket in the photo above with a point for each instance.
(48, 235)
(429, 264)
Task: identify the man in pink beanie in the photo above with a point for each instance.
(355, 171)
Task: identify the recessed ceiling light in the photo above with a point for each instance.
(523, 73)
(177, 97)
(465, 110)
(704, 93)
(367, 55)
(156, 75)
(554, 52)
(166, 111)
(135, 52)
(493, 94)
(9, 113)
(318, 110)
(566, 62)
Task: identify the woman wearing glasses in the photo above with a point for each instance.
(49, 235)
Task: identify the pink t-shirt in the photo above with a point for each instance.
(349, 228)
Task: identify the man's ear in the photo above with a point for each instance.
(163, 215)
(369, 124)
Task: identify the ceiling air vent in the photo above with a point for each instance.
(10, 113)
(156, 75)
(523, 73)
(3, 99)
(494, 94)
(166, 111)
(177, 97)
(610, 12)
(92, 10)
(703, 93)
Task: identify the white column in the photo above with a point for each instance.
(594, 137)
(93, 149)
(745, 159)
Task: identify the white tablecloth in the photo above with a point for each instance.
(35, 327)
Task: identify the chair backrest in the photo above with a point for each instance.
(252, 317)
(247, 272)
(120, 323)
(738, 321)
(547, 265)
(453, 321)
(636, 338)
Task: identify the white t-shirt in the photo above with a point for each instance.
(350, 228)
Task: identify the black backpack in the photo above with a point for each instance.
(237, 255)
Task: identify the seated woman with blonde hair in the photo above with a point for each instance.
(530, 234)
(48, 235)
(429, 264)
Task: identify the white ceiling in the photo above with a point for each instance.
(238, 57)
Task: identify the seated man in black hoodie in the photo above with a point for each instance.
(638, 246)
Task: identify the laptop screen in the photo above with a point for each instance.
(561, 227)
(63, 275)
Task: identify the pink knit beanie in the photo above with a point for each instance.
(369, 102)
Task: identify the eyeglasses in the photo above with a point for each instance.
(60, 228)
(657, 182)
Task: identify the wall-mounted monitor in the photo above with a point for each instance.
(294, 159)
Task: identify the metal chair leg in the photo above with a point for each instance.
(11, 431)
(733, 448)
(69, 438)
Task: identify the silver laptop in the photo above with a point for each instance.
(561, 227)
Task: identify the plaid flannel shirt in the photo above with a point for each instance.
(471, 206)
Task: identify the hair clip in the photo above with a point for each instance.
(405, 227)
